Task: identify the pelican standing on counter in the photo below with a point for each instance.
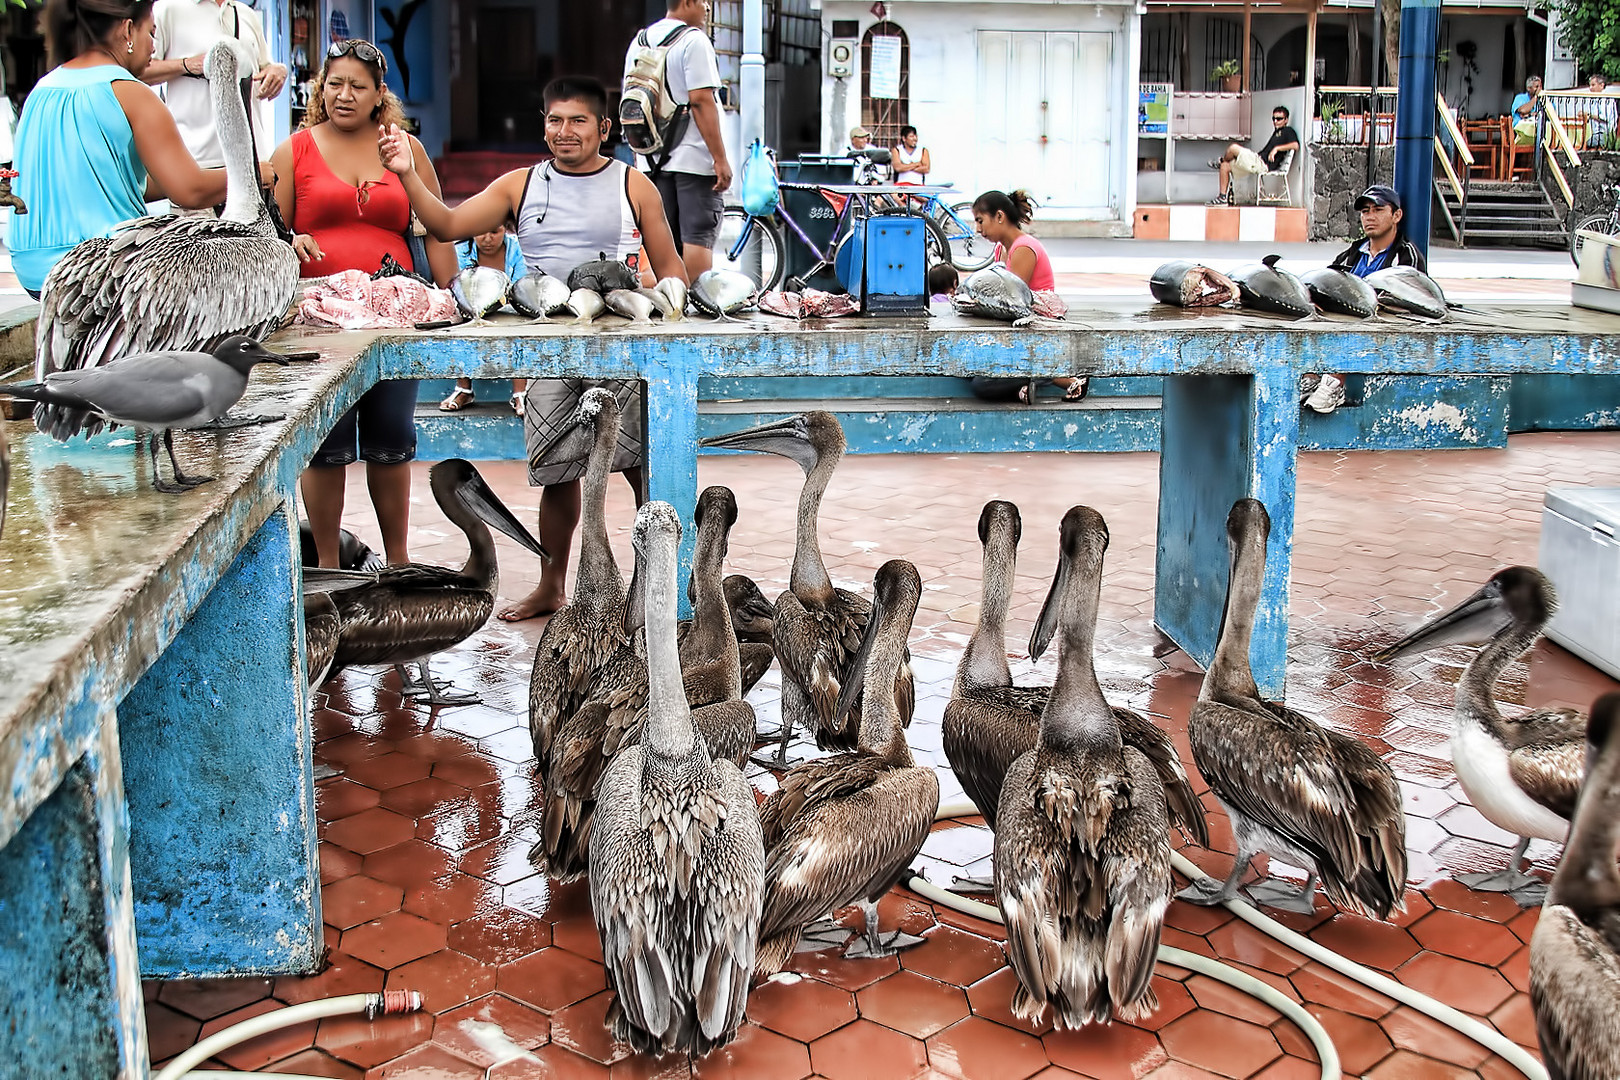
(990, 723)
(1083, 834)
(678, 858)
(1524, 774)
(1307, 796)
(845, 828)
(1575, 951)
(173, 282)
(817, 627)
(413, 611)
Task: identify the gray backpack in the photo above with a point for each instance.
(651, 121)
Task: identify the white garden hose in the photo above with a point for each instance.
(387, 1003)
(1481, 1033)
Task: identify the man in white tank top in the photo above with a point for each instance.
(910, 162)
(567, 210)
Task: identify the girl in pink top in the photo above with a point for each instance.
(1000, 218)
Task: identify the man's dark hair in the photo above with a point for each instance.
(907, 130)
(577, 88)
(1281, 109)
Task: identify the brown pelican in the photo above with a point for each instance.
(817, 626)
(845, 828)
(751, 619)
(416, 610)
(1523, 774)
(1575, 951)
(1308, 796)
(587, 631)
(615, 709)
(990, 723)
(678, 858)
(322, 627)
(173, 282)
(5, 476)
(1083, 834)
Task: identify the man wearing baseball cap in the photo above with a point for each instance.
(1383, 245)
(860, 146)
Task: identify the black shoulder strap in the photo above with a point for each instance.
(670, 38)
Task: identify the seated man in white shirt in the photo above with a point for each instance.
(185, 31)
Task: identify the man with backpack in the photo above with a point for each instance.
(669, 115)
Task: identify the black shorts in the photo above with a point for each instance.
(692, 206)
(382, 425)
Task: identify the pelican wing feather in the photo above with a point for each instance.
(1550, 773)
(1575, 994)
(410, 612)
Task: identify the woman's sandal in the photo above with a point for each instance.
(518, 403)
(1077, 388)
(459, 399)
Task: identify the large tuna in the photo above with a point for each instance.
(1341, 292)
(1408, 289)
(1266, 288)
(1191, 285)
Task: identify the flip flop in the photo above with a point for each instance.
(458, 400)
(1077, 389)
(518, 404)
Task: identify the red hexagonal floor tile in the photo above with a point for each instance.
(343, 975)
(1220, 1044)
(339, 798)
(863, 1050)
(578, 934)
(1361, 1043)
(393, 940)
(1114, 1052)
(358, 899)
(800, 1008)
(491, 1029)
(991, 998)
(912, 1004)
(552, 979)
(369, 1043)
(1470, 987)
(978, 1049)
(422, 797)
(501, 936)
(582, 1027)
(755, 1054)
(204, 999)
(445, 979)
(370, 830)
(954, 956)
(1466, 938)
(429, 1062)
(1376, 944)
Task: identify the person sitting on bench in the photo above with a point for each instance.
(1274, 156)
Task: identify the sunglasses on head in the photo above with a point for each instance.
(364, 51)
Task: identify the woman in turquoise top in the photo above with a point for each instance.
(94, 143)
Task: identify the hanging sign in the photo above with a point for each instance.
(1153, 108)
(885, 74)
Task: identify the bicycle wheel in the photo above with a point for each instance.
(1607, 224)
(969, 251)
(764, 241)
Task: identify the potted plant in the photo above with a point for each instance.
(1227, 76)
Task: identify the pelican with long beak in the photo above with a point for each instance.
(1523, 774)
(817, 627)
(413, 611)
(1575, 951)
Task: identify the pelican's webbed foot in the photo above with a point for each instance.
(1206, 892)
(1282, 897)
(230, 422)
(873, 944)
(822, 935)
(964, 883)
(425, 689)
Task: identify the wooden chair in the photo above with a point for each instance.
(1516, 158)
(1484, 139)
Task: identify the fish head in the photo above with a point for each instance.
(1082, 542)
(455, 479)
(242, 352)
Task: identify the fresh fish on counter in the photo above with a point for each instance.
(722, 293)
(587, 304)
(1408, 289)
(1191, 285)
(602, 275)
(659, 301)
(997, 293)
(539, 295)
(1341, 292)
(1266, 288)
(674, 290)
(631, 304)
(480, 290)
(789, 305)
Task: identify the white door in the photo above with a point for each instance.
(1046, 117)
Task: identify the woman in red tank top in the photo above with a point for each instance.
(347, 212)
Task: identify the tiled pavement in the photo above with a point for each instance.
(425, 831)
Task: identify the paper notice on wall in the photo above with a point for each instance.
(884, 79)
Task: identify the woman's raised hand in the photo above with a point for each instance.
(394, 147)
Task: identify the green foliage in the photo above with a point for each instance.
(1223, 70)
(1591, 30)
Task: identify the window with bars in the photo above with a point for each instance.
(884, 117)
(1223, 40)
(725, 30)
(791, 32)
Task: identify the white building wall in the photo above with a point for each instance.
(944, 94)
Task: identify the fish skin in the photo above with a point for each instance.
(1188, 284)
(674, 289)
(998, 293)
(1341, 292)
(539, 295)
(587, 304)
(723, 292)
(1406, 288)
(602, 275)
(658, 300)
(480, 290)
(631, 304)
(1264, 287)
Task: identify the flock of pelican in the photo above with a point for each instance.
(641, 732)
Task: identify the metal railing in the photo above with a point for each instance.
(1350, 115)
(1447, 123)
(1555, 139)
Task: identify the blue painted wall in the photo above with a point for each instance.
(1564, 403)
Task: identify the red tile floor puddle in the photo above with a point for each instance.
(425, 831)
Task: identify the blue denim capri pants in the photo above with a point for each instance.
(380, 429)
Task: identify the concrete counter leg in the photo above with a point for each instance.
(1225, 437)
(219, 775)
(672, 435)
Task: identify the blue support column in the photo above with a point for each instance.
(1414, 116)
(672, 436)
(67, 935)
(219, 775)
(1225, 437)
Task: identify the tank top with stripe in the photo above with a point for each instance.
(571, 218)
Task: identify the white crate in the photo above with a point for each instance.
(1581, 555)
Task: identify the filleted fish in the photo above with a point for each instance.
(673, 289)
(1265, 287)
(1191, 285)
(539, 295)
(1408, 289)
(631, 304)
(480, 290)
(1341, 292)
(603, 275)
(721, 293)
(997, 293)
(587, 304)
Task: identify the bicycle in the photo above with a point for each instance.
(964, 247)
(1607, 224)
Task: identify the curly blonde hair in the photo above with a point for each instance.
(390, 111)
